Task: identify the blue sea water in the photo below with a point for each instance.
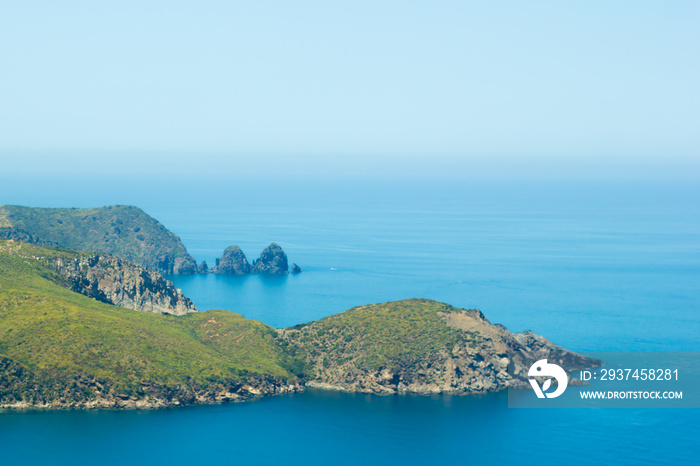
(592, 265)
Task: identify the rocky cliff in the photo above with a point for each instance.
(123, 231)
(122, 283)
(107, 279)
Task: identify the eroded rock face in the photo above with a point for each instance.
(122, 283)
(272, 260)
(232, 262)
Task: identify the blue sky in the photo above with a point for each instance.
(299, 80)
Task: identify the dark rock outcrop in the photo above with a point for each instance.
(272, 261)
(203, 267)
(122, 283)
(232, 262)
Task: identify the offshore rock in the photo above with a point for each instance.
(272, 261)
(295, 269)
(203, 267)
(232, 262)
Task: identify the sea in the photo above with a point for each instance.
(593, 264)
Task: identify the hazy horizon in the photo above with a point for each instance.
(351, 166)
(548, 82)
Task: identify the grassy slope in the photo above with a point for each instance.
(124, 231)
(390, 334)
(50, 330)
(46, 327)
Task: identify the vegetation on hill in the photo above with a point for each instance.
(419, 346)
(394, 335)
(69, 350)
(62, 349)
(123, 231)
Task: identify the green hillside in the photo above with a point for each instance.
(57, 338)
(123, 231)
(60, 349)
(393, 334)
(420, 346)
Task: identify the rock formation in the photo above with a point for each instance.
(203, 267)
(272, 261)
(232, 262)
(122, 283)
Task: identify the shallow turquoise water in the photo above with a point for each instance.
(591, 265)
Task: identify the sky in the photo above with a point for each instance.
(332, 86)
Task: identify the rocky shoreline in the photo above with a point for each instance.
(120, 402)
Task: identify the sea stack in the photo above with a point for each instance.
(233, 262)
(272, 261)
